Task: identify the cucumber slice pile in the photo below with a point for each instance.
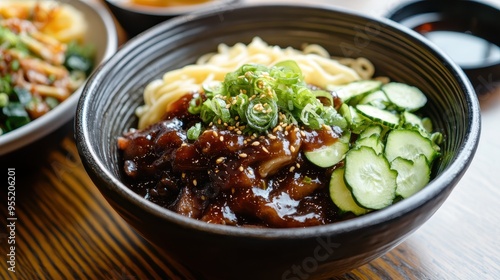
(391, 149)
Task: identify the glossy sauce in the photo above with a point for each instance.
(465, 47)
(228, 178)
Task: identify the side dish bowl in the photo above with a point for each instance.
(136, 18)
(474, 23)
(225, 252)
(101, 34)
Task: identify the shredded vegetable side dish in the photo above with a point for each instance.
(260, 136)
(43, 59)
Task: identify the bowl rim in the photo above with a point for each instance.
(64, 112)
(441, 183)
(169, 11)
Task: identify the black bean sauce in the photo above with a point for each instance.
(226, 177)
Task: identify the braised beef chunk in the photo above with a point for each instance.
(228, 177)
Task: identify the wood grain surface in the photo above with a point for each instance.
(66, 230)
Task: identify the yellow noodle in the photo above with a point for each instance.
(315, 62)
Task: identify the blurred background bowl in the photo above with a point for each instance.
(135, 17)
(225, 252)
(466, 30)
(101, 34)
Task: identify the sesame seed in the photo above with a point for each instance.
(184, 144)
(265, 150)
(302, 133)
(215, 133)
(256, 143)
(241, 168)
(272, 137)
(211, 123)
(232, 190)
(243, 155)
(219, 160)
(183, 175)
(238, 132)
(292, 168)
(221, 138)
(258, 107)
(195, 182)
(219, 121)
(292, 148)
(228, 106)
(237, 118)
(298, 165)
(203, 197)
(286, 132)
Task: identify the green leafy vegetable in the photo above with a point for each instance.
(79, 58)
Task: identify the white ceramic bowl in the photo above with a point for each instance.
(103, 36)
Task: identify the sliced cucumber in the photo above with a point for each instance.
(330, 155)
(371, 130)
(376, 98)
(355, 91)
(342, 196)
(378, 115)
(357, 123)
(370, 178)
(412, 175)
(427, 123)
(404, 97)
(413, 119)
(373, 142)
(408, 144)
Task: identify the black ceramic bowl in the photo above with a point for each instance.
(136, 18)
(106, 110)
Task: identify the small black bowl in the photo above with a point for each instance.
(465, 30)
(136, 18)
(106, 110)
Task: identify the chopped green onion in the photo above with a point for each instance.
(14, 65)
(259, 97)
(52, 102)
(194, 132)
(4, 99)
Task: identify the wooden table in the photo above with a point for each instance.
(66, 230)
